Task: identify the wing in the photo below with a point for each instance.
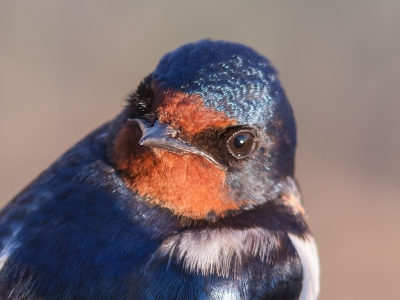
(77, 232)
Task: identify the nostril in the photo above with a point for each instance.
(171, 132)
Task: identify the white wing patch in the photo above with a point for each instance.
(213, 251)
(308, 254)
(9, 246)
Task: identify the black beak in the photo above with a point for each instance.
(164, 137)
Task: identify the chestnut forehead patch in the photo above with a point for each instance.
(189, 114)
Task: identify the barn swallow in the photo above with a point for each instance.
(189, 193)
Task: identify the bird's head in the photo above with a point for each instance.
(210, 132)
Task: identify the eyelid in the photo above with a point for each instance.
(239, 128)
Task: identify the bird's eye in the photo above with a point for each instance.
(241, 144)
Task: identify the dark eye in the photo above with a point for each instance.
(241, 144)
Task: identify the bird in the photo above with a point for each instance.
(188, 193)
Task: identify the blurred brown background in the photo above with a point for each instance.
(67, 66)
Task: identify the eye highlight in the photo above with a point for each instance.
(241, 144)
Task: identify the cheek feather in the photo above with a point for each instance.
(187, 185)
(188, 113)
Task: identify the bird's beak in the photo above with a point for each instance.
(162, 136)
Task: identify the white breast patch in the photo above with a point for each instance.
(212, 251)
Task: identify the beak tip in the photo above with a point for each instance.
(143, 141)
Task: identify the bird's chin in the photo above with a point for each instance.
(185, 183)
